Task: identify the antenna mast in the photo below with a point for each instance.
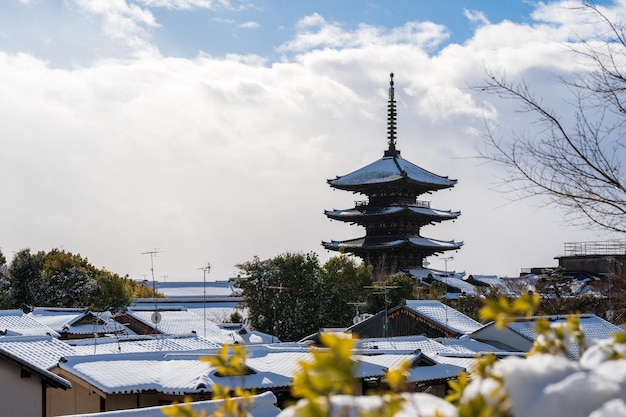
(156, 316)
(206, 269)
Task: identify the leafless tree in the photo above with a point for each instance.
(575, 163)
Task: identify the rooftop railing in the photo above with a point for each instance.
(419, 203)
(611, 247)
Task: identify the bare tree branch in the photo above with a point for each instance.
(576, 165)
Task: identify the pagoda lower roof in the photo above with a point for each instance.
(388, 242)
(363, 212)
(391, 169)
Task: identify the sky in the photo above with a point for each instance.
(205, 131)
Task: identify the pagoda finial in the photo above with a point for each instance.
(391, 121)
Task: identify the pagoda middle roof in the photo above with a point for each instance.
(391, 169)
(375, 242)
(368, 211)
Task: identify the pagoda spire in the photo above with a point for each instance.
(391, 121)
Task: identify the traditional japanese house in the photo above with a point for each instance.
(392, 214)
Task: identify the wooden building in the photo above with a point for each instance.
(392, 214)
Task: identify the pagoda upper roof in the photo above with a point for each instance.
(385, 242)
(391, 168)
(365, 211)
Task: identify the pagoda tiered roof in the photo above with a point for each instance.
(388, 242)
(389, 170)
(420, 213)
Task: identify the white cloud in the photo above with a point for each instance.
(250, 25)
(315, 32)
(220, 159)
(476, 16)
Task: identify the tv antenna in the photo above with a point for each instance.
(381, 288)
(156, 316)
(205, 269)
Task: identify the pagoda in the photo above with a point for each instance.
(392, 215)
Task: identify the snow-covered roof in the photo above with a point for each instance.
(394, 241)
(147, 343)
(184, 373)
(177, 322)
(467, 345)
(196, 289)
(16, 323)
(263, 405)
(450, 279)
(37, 353)
(414, 405)
(241, 334)
(404, 343)
(76, 321)
(366, 211)
(444, 315)
(390, 169)
(492, 280)
(416, 373)
(40, 351)
(594, 327)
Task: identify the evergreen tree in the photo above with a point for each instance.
(26, 278)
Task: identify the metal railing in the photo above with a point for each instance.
(610, 247)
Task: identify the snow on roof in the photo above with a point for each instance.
(389, 169)
(378, 211)
(390, 241)
(219, 312)
(183, 372)
(492, 280)
(466, 344)
(241, 334)
(594, 327)
(452, 279)
(444, 315)
(404, 343)
(414, 405)
(416, 373)
(67, 320)
(178, 322)
(40, 351)
(197, 288)
(16, 323)
(263, 405)
(147, 343)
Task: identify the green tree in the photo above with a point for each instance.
(5, 284)
(343, 282)
(282, 294)
(26, 278)
(69, 280)
(113, 292)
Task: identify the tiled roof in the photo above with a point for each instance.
(184, 373)
(16, 323)
(390, 169)
(149, 343)
(263, 405)
(594, 327)
(41, 351)
(404, 343)
(444, 315)
(69, 321)
(178, 322)
(466, 344)
(417, 373)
